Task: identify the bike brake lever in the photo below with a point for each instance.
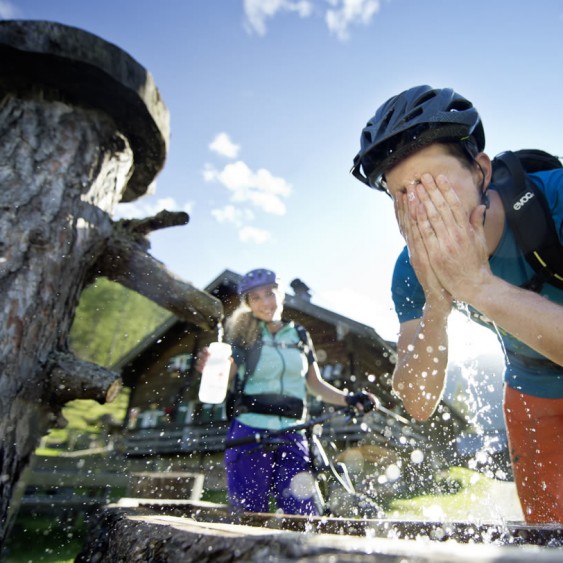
(350, 413)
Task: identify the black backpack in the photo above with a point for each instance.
(528, 214)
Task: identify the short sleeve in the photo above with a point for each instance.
(407, 293)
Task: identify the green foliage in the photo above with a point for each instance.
(465, 492)
(44, 538)
(88, 423)
(111, 320)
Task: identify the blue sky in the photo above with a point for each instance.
(267, 99)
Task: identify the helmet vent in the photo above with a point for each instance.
(385, 122)
(460, 105)
(425, 97)
(412, 115)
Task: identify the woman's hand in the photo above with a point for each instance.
(362, 401)
(201, 359)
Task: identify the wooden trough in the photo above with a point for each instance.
(176, 530)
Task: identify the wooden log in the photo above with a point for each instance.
(126, 534)
(82, 127)
(64, 63)
(72, 377)
(126, 262)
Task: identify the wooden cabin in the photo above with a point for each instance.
(165, 417)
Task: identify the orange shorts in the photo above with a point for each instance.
(535, 437)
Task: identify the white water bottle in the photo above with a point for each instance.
(215, 376)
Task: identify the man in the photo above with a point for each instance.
(424, 148)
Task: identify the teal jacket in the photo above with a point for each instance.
(281, 369)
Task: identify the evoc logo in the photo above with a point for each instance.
(522, 201)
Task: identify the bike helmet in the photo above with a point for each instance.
(410, 121)
(256, 278)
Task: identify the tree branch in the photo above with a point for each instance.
(136, 230)
(162, 220)
(72, 378)
(125, 261)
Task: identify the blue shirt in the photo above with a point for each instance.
(523, 370)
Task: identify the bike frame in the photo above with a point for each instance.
(327, 469)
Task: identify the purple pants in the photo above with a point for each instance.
(256, 471)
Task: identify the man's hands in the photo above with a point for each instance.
(447, 244)
(407, 218)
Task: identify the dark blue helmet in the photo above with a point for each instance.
(256, 278)
(410, 121)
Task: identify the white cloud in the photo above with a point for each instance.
(261, 188)
(232, 214)
(240, 217)
(348, 12)
(223, 145)
(7, 10)
(339, 15)
(258, 11)
(253, 234)
(142, 209)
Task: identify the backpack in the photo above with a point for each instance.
(236, 398)
(528, 214)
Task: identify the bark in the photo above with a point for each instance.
(125, 261)
(62, 171)
(128, 534)
(82, 127)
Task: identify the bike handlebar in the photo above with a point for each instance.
(265, 435)
(348, 411)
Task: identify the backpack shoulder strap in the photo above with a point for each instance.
(529, 217)
(303, 335)
(305, 342)
(250, 357)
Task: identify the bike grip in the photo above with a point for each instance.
(360, 397)
(254, 439)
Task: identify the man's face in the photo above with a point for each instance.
(434, 160)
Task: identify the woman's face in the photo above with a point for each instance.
(266, 303)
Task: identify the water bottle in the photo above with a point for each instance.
(215, 376)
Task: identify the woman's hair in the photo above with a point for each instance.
(242, 326)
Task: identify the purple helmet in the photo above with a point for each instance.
(256, 278)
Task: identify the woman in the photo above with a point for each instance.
(273, 366)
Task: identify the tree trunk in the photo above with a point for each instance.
(59, 188)
(76, 136)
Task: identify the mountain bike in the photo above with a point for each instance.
(335, 493)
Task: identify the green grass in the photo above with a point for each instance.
(470, 497)
(85, 425)
(48, 540)
(44, 539)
